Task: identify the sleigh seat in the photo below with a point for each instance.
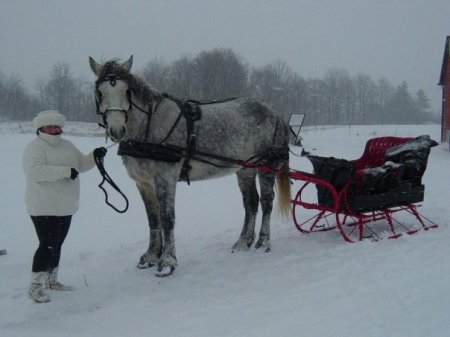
(385, 180)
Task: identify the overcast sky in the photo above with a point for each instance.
(399, 40)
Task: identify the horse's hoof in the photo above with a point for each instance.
(166, 265)
(264, 245)
(148, 260)
(144, 265)
(240, 246)
(165, 271)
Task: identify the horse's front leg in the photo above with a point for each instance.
(165, 191)
(250, 197)
(151, 257)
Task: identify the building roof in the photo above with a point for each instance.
(445, 62)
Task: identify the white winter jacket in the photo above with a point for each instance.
(47, 162)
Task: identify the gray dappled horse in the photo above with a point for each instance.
(163, 140)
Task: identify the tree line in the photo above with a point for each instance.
(336, 98)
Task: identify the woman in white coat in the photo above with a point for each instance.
(51, 166)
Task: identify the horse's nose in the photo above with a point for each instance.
(117, 134)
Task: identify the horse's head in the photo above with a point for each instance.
(113, 95)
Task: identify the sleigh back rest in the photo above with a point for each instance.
(373, 155)
(414, 157)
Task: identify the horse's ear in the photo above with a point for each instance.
(127, 64)
(96, 68)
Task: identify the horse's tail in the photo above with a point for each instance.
(284, 190)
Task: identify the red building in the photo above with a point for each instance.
(444, 81)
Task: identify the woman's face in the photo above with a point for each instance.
(51, 129)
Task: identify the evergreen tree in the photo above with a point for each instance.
(401, 107)
(423, 106)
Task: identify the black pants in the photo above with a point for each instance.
(51, 232)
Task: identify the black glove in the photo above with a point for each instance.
(73, 174)
(100, 152)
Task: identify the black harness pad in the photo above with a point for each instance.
(152, 151)
(192, 110)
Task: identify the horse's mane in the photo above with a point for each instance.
(139, 86)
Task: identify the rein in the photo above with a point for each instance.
(173, 153)
(107, 178)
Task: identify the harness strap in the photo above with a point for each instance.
(173, 127)
(149, 117)
(191, 111)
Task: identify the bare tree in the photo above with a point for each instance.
(365, 89)
(182, 78)
(156, 72)
(297, 90)
(86, 103)
(220, 73)
(337, 93)
(273, 83)
(315, 105)
(348, 99)
(383, 92)
(61, 90)
(15, 101)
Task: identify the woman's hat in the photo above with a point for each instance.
(49, 117)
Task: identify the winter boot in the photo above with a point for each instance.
(36, 292)
(51, 282)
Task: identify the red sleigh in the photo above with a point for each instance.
(364, 197)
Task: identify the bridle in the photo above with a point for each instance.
(112, 79)
(152, 108)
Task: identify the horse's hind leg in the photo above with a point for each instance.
(266, 182)
(247, 185)
(152, 255)
(165, 192)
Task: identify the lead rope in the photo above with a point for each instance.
(107, 178)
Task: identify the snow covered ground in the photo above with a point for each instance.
(309, 285)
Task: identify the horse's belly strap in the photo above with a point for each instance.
(152, 151)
